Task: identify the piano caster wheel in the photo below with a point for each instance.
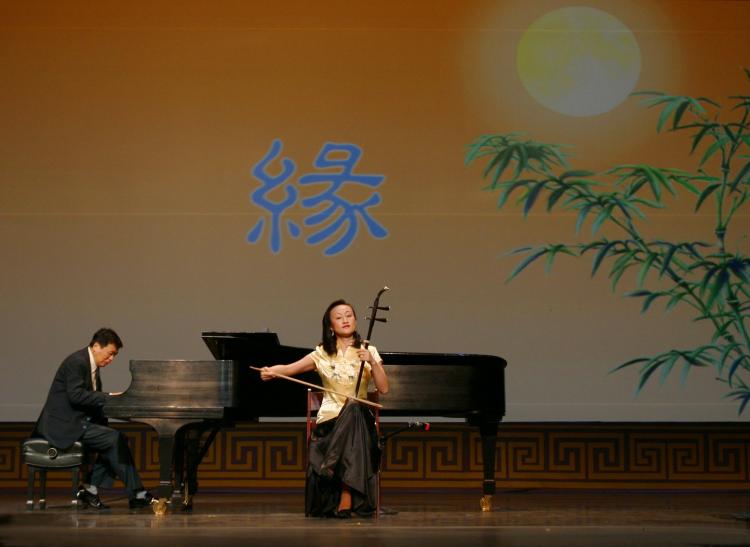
(486, 503)
(160, 506)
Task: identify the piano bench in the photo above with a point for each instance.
(40, 456)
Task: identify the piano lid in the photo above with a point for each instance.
(436, 384)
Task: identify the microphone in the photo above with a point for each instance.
(411, 426)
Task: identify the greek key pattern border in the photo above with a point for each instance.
(548, 455)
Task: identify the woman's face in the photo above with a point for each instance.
(343, 321)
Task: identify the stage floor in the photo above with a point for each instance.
(543, 518)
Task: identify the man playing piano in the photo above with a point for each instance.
(73, 412)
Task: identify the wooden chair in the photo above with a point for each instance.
(314, 400)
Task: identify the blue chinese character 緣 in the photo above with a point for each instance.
(276, 209)
(333, 218)
(339, 211)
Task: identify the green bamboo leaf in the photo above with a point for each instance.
(667, 260)
(668, 367)
(698, 137)
(601, 255)
(555, 196)
(630, 363)
(667, 112)
(577, 173)
(638, 294)
(696, 102)
(707, 277)
(721, 330)
(627, 207)
(519, 250)
(738, 267)
(647, 203)
(724, 356)
(653, 181)
(648, 372)
(728, 131)
(557, 155)
(717, 289)
(686, 184)
(647, 263)
(734, 366)
(738, 202)
(500, 164)
(711, 150)
(522, 160)
(508, 189)
(620, 266)
(707, 191)
(741, 174)
(492, 164)
(475, 148)
(691, 248)
(742, 394)
(655, 101)
(678, 114)
(604, 214)
(582, 215)
(531, 197)
(684, 372)
(646, 92)
(745, 399)
(552, 253)
(637, 185)
(676, 299)
(662, 177)
(525, 263)
(649, 300)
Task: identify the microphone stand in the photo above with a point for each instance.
(419, 426)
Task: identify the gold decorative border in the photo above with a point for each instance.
(543, 455)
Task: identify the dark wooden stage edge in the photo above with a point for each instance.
(677, 456)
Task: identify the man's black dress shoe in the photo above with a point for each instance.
(139, 503)
(87, 499)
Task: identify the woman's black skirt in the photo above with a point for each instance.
(343, 450)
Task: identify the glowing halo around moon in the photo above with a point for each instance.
(578, 61)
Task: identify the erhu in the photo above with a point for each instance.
(373, 318)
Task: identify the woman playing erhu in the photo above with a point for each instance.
(344, 454)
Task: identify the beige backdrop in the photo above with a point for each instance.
(128, 135)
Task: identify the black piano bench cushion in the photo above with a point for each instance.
(40, 453)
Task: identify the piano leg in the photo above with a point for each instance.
(181, 447)
(166, 430)
(488, 432)
(193, 454)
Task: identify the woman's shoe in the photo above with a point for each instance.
(342, 514)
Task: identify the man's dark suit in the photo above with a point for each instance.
(73, 412)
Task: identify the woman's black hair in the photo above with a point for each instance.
(329, 338)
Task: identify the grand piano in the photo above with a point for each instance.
(189, 402)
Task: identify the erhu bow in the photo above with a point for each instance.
(373, 318)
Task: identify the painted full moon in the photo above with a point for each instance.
(579, 61)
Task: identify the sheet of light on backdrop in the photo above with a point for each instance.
(175, 167)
